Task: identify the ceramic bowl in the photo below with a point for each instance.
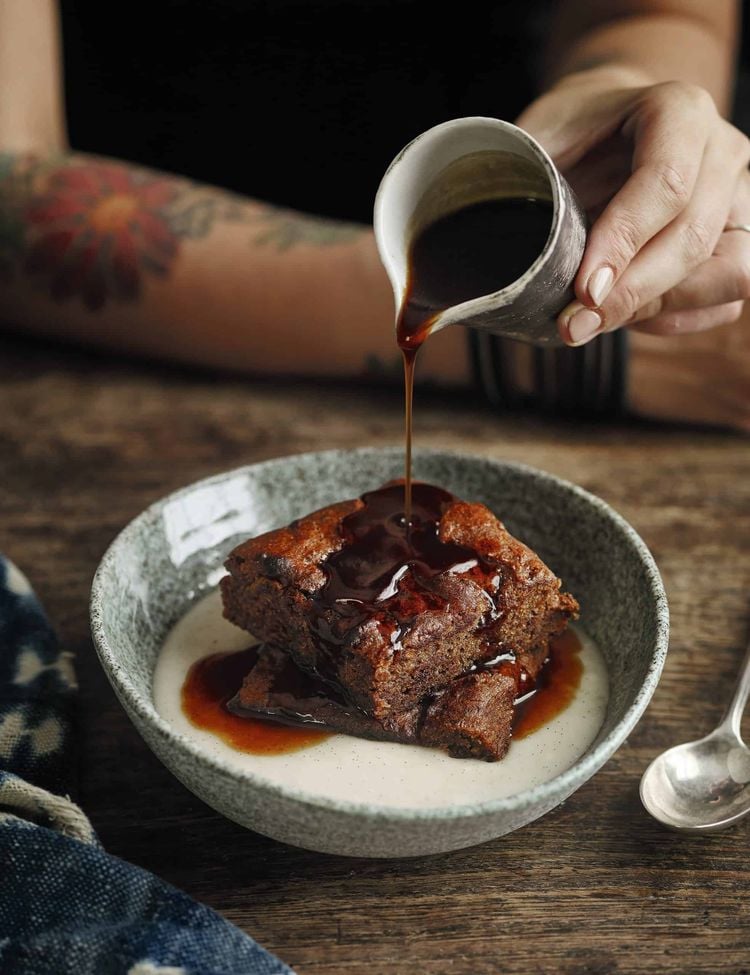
(172, 555)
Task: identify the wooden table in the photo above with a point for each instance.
(594, 888)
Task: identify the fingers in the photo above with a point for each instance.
(577, 324)
(712, 295)
(722, 279)
(693, 320)
(687, 243)
(670, 128)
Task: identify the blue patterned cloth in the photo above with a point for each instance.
(66, 906)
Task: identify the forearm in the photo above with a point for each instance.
(124, 258)
(32, 116)
(655, 40)
(702, 378)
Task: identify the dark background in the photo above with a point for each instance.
(297, 102)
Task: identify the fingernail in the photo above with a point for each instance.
(583, 326)
(600, 284)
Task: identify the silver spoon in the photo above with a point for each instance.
(704, 786)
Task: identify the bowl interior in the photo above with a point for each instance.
(173, 553)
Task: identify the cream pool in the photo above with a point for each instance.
(382, 773)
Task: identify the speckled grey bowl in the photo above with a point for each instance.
(172, 554)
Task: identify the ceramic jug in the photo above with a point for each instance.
(471, 160)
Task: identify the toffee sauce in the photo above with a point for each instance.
(474, 251)
(213, 681)
(385, 573)
(209, 686)
(555, 686)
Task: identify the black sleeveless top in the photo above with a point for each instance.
(304, 103)
(299, 102)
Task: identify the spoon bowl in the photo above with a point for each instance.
(703, 786)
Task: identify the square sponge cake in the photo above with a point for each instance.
(390, 615)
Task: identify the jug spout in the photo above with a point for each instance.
(470, 161)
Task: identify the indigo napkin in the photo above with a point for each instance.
(66, 906)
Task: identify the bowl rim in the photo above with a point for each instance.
(548, 792)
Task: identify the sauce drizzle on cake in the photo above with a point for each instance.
(386, 574)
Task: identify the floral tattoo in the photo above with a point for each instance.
(95, 230)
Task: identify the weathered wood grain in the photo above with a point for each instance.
(595, 888)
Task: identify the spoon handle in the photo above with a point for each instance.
(733, 716)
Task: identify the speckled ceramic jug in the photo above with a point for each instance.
(470, 160)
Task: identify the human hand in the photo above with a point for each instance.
(663, 177)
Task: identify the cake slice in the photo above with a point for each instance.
(470, 718)
(388, 617)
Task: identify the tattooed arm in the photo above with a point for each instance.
(117, 256)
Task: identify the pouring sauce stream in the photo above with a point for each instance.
(474, 251)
